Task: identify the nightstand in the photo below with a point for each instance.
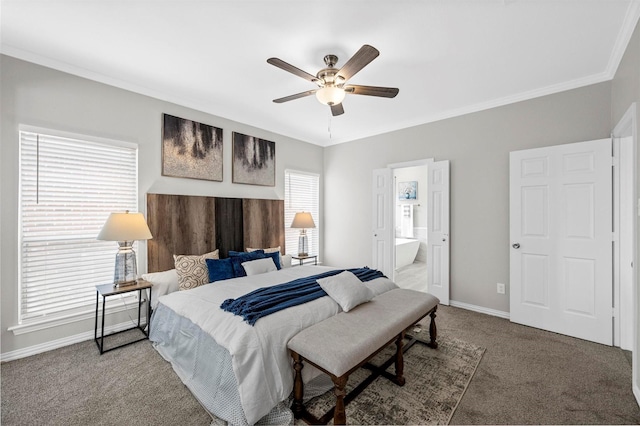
(107, 290)
(302, 259)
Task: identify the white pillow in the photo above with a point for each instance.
(164, 282)
(259, 266)
(346, 289)
(285, 261)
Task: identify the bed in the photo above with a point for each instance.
(240, 373)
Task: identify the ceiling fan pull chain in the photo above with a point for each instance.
(329, 125)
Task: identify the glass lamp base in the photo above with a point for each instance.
(126, 268)
(302, 244)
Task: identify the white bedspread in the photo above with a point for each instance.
(259, 354)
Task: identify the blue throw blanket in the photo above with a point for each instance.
(268, 300)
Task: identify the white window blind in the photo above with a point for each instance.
(68, 188)
(301, 193)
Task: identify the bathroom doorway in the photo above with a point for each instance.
(433, 198)
(410, 218)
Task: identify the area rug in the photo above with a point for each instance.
(435, 383)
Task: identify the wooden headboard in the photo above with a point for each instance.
(187, 224)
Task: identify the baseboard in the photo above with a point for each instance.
(480, 309)
(636, 392)
(66, 341)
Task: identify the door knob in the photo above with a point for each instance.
(516, 245)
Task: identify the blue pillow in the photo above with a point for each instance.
(238, 257)
(220, 269)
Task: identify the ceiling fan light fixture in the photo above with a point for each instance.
(330, 95)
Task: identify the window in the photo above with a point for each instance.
(301, 193)
(68, 188)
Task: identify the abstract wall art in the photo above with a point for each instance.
(191, 149)
(254, 160)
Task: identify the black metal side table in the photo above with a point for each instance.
(302, 259)
(106, 290)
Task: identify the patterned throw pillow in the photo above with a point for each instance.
(192, 270)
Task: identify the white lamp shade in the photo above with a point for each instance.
(303, 220)
(330, 95)
(125, 227)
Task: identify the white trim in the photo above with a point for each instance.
(301, 172)
(76, 136)
(480, 309)
(625, 127)
(622, 42)
(482, 106)
(414, 163)
(65, 341)
(112, 306)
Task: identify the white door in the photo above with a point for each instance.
(561, 239)
(383, 226)
(438, 230)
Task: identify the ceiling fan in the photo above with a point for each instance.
(331, 81)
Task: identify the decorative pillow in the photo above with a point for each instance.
(192, 270)
(346, 289)
(220, 269)
(164, 282)
(259, 266)
(239, 257)
(285, 261)
(273, 252)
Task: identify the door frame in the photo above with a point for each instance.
(414, 163)
(627, 126)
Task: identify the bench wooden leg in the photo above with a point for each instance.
(433, 331)
(399, 379)
(298, 387)
(340, 416)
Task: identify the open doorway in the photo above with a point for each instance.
(383, 223)
(410, 218)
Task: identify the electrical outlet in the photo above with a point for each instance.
(501, 288)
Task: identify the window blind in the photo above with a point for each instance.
(302, 193)
(68, 188)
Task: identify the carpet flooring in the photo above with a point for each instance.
(525, 376)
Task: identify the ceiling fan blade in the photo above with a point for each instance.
(293, 70)
(384, 92)
(337, 109)
(358, 61)
(296, 96)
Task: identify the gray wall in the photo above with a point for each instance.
(39, 96)
(478, 146)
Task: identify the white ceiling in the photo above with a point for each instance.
(447, 57)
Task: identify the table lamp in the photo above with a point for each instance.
(125, 228)
(304, 221)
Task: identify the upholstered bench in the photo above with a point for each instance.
(345, 342)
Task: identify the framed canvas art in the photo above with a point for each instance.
(408, 190)
(191, 149)
(254, 160)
